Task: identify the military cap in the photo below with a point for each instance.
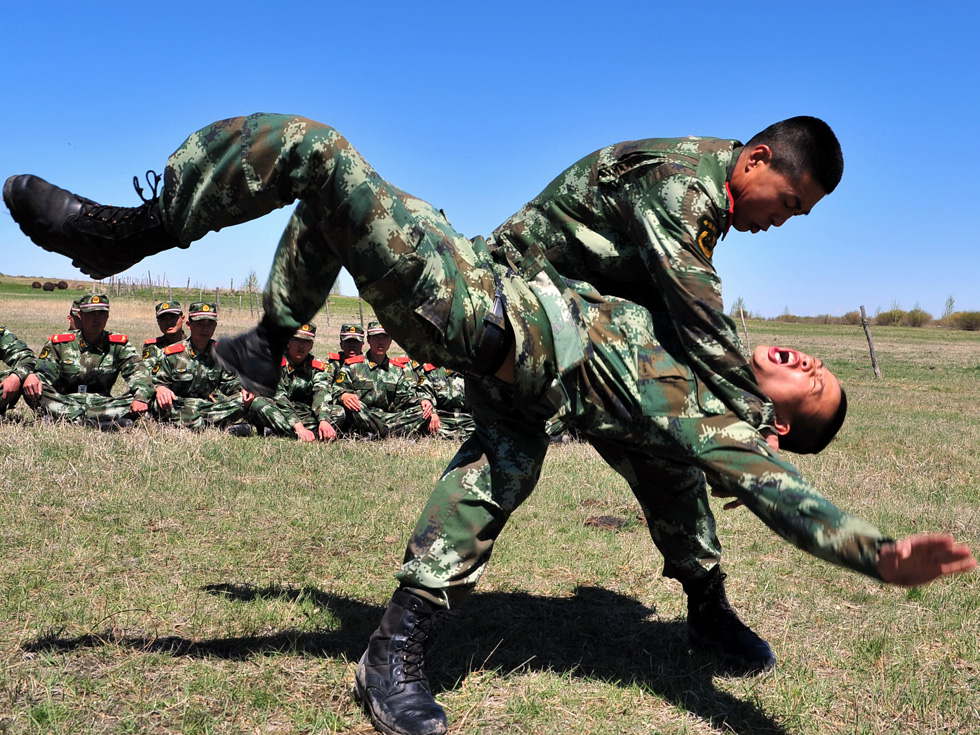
(375, 328)
(202, 310)
(93, 302)
(74, 310)
(306, 331)
(168, 307)
(352, 331)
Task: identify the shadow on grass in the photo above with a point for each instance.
(597, 634)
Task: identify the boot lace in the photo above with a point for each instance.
(114, 216)
(413, 654)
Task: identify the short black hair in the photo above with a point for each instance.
(805, 437)
(801, 145)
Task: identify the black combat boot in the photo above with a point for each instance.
(255, 356)
(390, 683)
(713, 625)
(240, 430)
(101, 240)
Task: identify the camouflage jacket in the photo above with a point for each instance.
(444, 387)
(678, 419)
(69, 364)
(192, 374)
(388, 386)
(309, 383)
(640, 220)
(16, 354)
(153, 348)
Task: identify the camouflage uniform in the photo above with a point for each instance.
(435, 290)
(153, 347)
(446, 389)
(304, 394)
(19, 358)
(205, 394)
(77, 377)
(389, 398)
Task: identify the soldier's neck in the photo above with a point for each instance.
(93, 339)
(165, 340)
(199, 344)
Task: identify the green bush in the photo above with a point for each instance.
(890, 318)
(851, 317)
(916, 318)
(968, 320)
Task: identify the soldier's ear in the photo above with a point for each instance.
(782, 426)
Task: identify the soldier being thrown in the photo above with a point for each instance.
(170, 320)
(78, 370)
(302, 405)
(380, 393)
(641, 218)
(20, 376)
(191, 388)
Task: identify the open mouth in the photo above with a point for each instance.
(783, 356)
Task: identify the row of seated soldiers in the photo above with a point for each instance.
(177, 380)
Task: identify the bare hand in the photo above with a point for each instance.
(303, 434)
(350, 401)
(326, 432)
(921, 558)
(10, 386)
(165, 397)
(426, 408)
(247, 398)
(138, 407)
(435, 423)
(32, 386)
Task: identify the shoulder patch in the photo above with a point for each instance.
(59, 338)
(119, 339)
(150, 341)
(174, 348)
(354, 360)
(707, 236)
(317, 365)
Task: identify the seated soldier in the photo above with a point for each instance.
(379, 393)
(302, 405)
(20, 376)
(190, 388)
(170, 320)
(447, 391)
(78, 370)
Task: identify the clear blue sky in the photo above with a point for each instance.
(475, 107)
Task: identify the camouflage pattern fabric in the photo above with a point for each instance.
(447, 391)
(390, 401)
(432, 289)
(77, 377)
(660, 427)
(205, 394)
(640, 220)
(19, 358)
(304, 395)
(153, 348)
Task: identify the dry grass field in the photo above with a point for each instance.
(158, 581)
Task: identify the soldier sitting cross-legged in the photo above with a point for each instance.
(20, 376)
(78, 370)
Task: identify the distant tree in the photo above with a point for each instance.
(738, 307)
(851, 317)
(916, 318)
(949, 308)
(891, 318)
(968, 320)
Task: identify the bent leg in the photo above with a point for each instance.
(493, 472)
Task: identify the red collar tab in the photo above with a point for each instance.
(428, 367)
(353, 360)
(283, 363)
(317, 365)
(150, 341)
(333, 355)
(58, 338)
(119, 339)
(174, 348)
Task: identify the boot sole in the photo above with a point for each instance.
(735, 666)
(361, 699)
(247, 383)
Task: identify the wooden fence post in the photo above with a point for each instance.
(745, 331)
(871, 344)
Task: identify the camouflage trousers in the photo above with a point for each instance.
(79, 407)
(266, 413)
(431, 288)
(201, 413)
(455, 424)
(378, 423)
(498, 467)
